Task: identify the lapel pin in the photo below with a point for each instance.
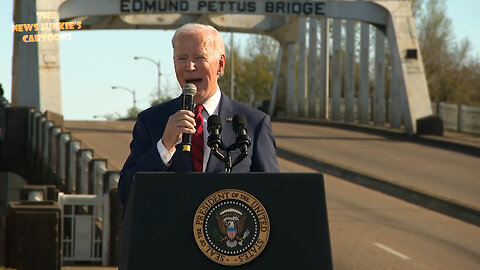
(228, 119)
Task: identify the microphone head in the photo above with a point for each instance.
(214, 120)
(189, 89)
(214, 127)
(238, 121)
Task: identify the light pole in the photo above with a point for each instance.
(157, 63)
(130, 91)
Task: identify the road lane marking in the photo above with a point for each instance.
(394, 252)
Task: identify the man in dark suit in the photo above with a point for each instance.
(199, 58)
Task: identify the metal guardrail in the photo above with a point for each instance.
(85, 184)
(81, 216)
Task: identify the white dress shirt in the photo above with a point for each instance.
(211, 107)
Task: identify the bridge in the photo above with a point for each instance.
(393, 200)
(398, 197)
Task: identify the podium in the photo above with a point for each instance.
(163, 208)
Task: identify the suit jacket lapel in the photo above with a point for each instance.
(226, 114)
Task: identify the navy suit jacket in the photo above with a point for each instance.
(149, 128)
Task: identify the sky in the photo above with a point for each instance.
(95, 60)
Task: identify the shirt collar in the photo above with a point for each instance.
(211, 105)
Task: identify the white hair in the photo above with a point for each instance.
(212, 38)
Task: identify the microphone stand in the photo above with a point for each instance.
(227, 158)
(215, 142)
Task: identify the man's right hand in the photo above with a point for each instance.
(182, 121)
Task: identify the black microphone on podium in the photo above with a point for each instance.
(242, 141)
(214, 127)
(189, 91)
(240, 128)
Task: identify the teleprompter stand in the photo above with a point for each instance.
(157, 230)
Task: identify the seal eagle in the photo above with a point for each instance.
(231, 223)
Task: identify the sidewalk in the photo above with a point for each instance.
(472, 140)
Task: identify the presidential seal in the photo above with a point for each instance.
(231, 227)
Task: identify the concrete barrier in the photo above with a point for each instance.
(461, 118)
(469, 119)
(53, 157)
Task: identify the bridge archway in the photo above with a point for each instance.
(38, 84)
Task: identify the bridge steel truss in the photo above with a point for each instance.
(37, 84)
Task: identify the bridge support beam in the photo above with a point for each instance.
(336, 69)
(350, 72)
(407, 58)
(292, 105)
(395, 104)
(324, 68)
(379, 92)
(302, 68)
(36, 64)
(313, 82)
(363, 96)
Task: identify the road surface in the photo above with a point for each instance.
(368, 230)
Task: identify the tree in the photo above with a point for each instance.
(112, 116)
(254, 71)
(452, 72)
(132, 113)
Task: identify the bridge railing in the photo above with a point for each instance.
(63, 160)
(88, 194)
(461, 118)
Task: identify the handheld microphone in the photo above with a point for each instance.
(214, 127)
(240, 128)
(189, 90)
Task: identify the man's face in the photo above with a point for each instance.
(197, 64)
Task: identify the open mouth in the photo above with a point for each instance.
(194, 81)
